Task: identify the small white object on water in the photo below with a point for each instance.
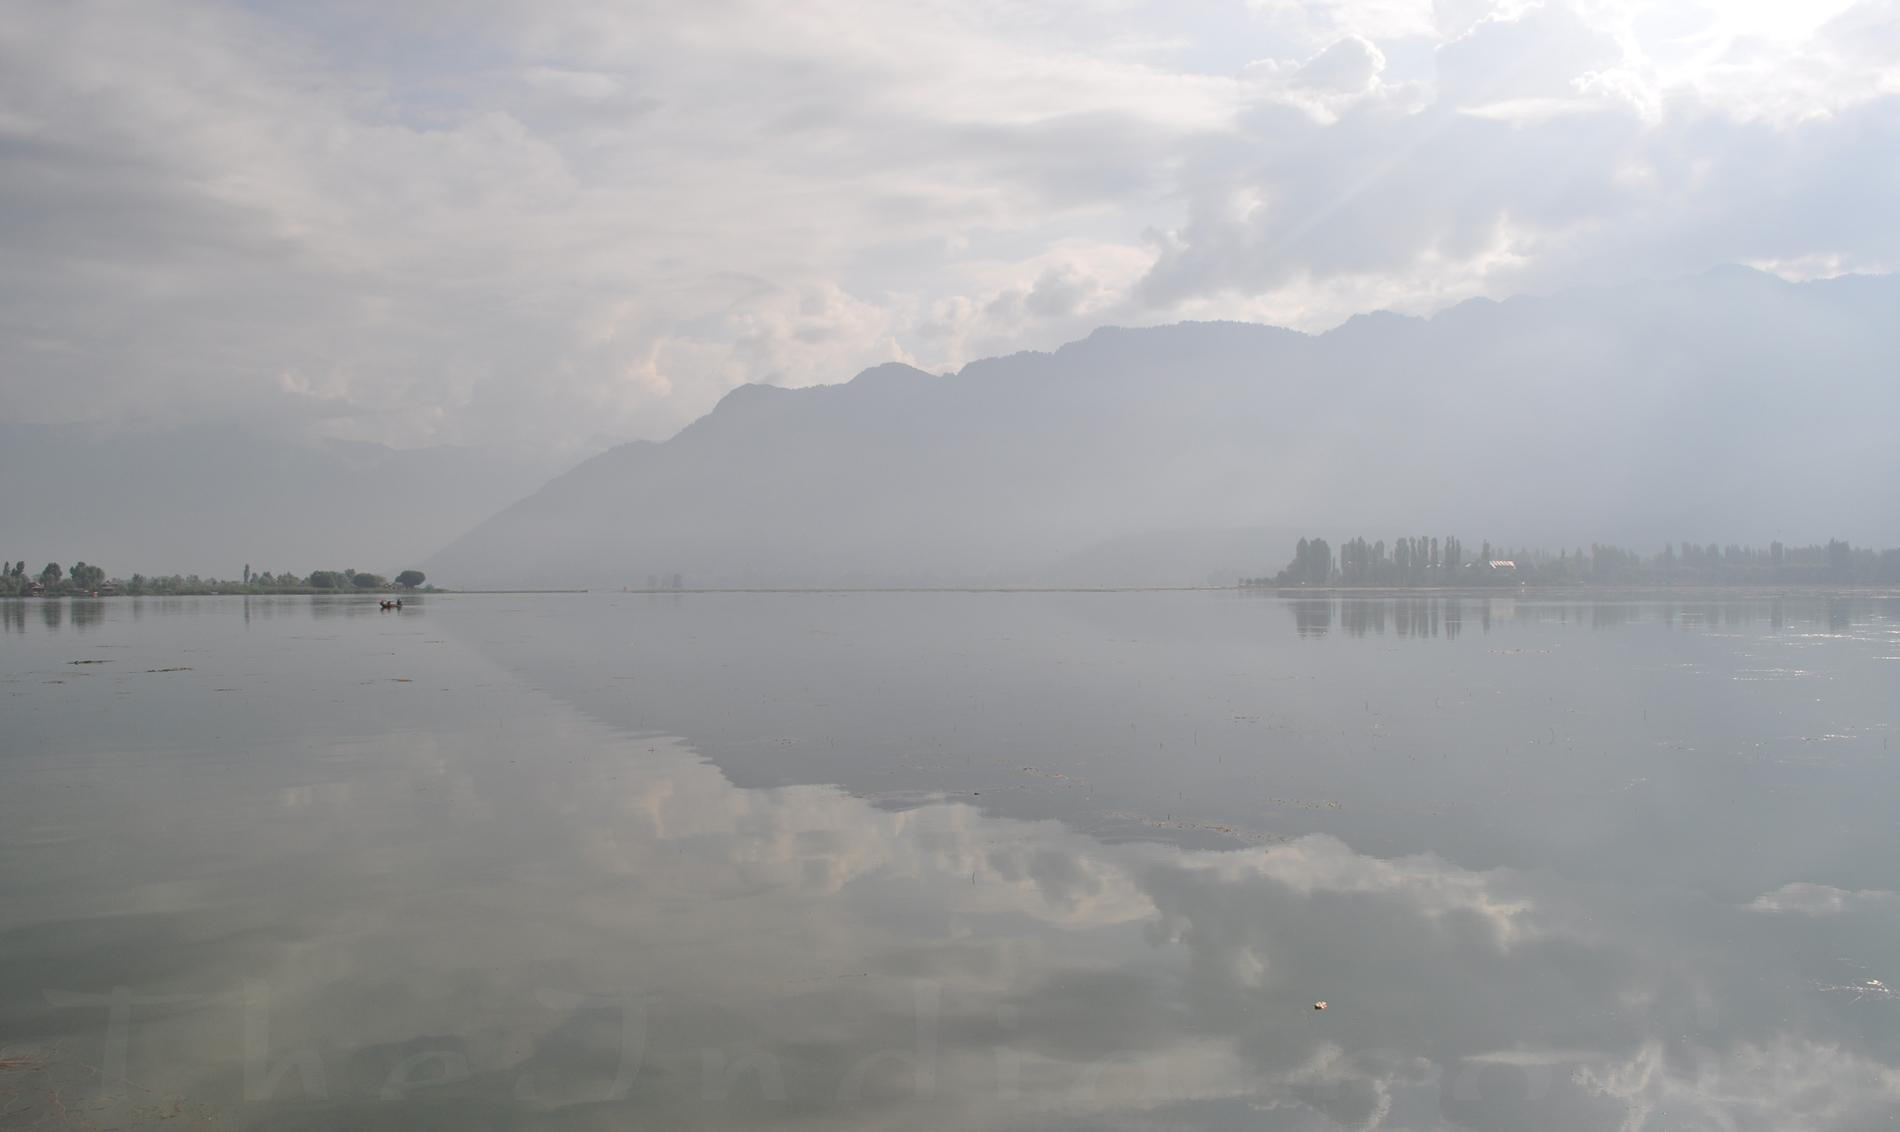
(1320, 1005)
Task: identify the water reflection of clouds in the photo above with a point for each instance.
(510, 914)
(546, 932)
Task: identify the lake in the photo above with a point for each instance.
(931, 860)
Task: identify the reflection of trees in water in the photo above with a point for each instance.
(172, 606)
(269, 606)
(82, 614)
(1409, 616)
(1448, 616)
(1313, 616)
(324, 608)
(54, 613)
(1840, 614)
(1609, 615)
(1358, 616)
(1412, 616)
(1420, 616)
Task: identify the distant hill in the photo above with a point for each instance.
(212, 498)
(1731, 406)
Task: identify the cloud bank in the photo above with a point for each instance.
(562, 225)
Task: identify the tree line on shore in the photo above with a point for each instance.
(85, 579)
(1431, 561)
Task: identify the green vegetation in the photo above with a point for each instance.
(1411, 562)
(84, 579)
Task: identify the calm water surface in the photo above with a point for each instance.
(950, 860)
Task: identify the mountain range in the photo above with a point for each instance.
(1728, 406)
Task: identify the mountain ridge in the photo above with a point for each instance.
(1592, 414)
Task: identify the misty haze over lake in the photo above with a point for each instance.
(1693, 410)
(1054, 565)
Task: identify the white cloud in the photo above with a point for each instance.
(564, 224)
(1310, 22)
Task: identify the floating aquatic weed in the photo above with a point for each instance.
(23, 1062)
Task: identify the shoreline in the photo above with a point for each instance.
(366, 594)
(1631, 590)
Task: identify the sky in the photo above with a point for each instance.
(555, 226)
